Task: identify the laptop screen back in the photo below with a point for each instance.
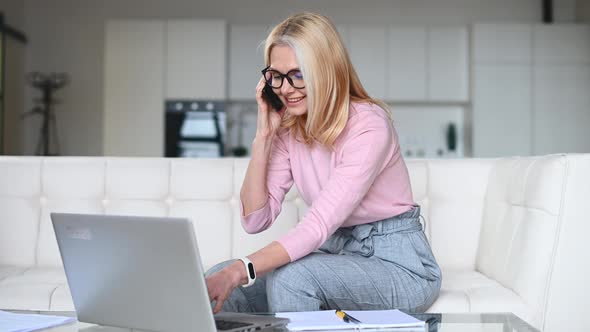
(138, 272)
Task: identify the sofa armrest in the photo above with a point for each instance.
(568, 293)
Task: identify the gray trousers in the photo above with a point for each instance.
(386, 264)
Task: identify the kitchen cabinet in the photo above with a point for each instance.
(562, 44)
(502, 44)
(562, 84)
(368, 53)
(149, 61)
(407, 70)
(447, 64)
(344, 32)
(562, 109)
(531, 86)
(133, 88)
(428, 64)
(246, 59)
(195, 59)
(502, 87)
(502, 110)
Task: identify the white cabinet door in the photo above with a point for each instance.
(502, 110)
(502, 43)
(407, 64)
(531, 89)
(562, 44)
(344, 31)
(246, 59)
(562, 84)
(448, 64)
(502, 90)
(195, 59)
(368, 53)
(562, 109)
(133, 87)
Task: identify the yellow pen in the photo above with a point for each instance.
(346, 317)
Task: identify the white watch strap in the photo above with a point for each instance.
(250, 271)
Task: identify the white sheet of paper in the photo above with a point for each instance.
(12, 322)
(327, 320)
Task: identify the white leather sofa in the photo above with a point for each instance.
(509, 233)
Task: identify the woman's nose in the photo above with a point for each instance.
(286, 88)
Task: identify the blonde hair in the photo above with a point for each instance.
(331, 82)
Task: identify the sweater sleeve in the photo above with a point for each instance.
(278, 181)
(364, 151)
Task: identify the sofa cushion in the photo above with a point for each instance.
(61, 299)
(471, 291)
(30, 289)
(462, 291)
(8, 271)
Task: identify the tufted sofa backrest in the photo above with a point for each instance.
(204, 190)
(451, 193)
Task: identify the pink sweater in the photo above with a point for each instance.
(363, 179)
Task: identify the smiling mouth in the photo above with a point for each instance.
(294, 100)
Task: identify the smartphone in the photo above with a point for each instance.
(272, 98)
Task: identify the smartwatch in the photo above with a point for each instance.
(250, 272)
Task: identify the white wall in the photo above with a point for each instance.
(583, 11)
(68, 35)
(13, 12)
(13, 97)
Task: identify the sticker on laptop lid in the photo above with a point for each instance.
(79, 233)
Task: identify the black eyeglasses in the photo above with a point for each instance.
(275, 79)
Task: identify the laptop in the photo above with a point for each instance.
(143, 273)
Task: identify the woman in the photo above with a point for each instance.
(360, 245)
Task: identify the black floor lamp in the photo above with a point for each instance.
(48, 84)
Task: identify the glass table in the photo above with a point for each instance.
(448, 322)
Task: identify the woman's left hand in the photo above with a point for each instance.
(221, 284)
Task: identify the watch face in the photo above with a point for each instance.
(251, 271)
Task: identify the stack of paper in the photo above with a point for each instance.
(10, 322)
(327, 320)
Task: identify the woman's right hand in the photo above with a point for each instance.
(269, 120)
(221, 283)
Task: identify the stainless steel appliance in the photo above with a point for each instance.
(195, 128)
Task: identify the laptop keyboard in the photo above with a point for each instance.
(228, 324)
